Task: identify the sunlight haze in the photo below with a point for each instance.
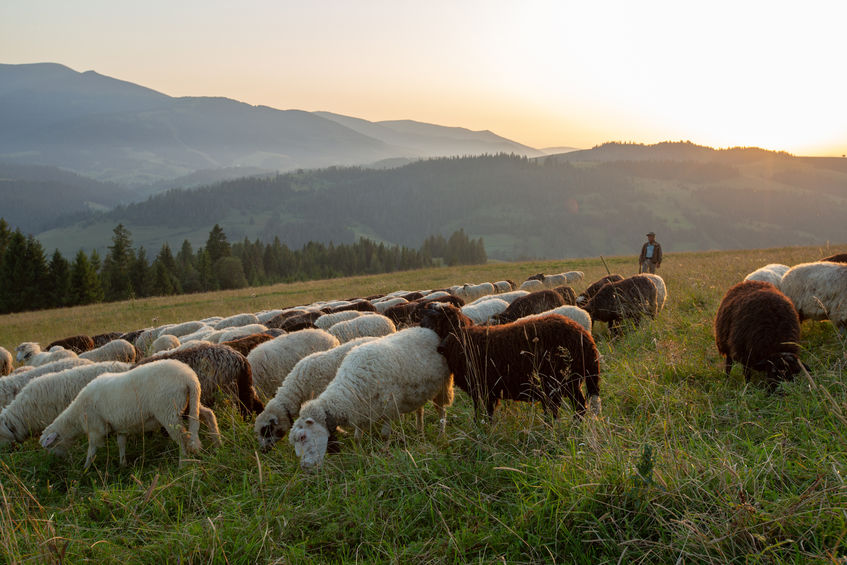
(543, 73)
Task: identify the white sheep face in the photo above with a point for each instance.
(53, 442)
(24, 351)
(310, 440)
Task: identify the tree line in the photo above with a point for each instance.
(31, 281)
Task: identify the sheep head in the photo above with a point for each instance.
(269, 429)
(7, 432)
(26, 350)
(53, 442)
(444, 319)
(310, 439)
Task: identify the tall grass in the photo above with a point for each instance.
(684, 466)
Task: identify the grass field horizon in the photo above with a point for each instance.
(684, 466)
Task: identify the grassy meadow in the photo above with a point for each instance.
(684, 466)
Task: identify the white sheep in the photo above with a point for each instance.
(200, 334)
(328, 320)
(236, 320)
(383, 305)
(369, 325)
(771, 273)
(6, 363)
(507, 296)
(10, 386)
(115, 350)
(30, 353)
(661, 290)
(482, 312)
(229, 334)
(818, 291)
(531, 285)
(184, 328)
(163, 343)
(307, 380)
(141, 399)
(375, 383)
(575, 313)
(273, 360)
(470, 292)
(503, 286)
(44, 398)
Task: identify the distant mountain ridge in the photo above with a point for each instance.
(117, 131)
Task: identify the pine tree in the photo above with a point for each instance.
(61, 288)
(217, 246)
(85, 282)
(116, 266)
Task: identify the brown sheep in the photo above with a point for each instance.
(533, 303)
(245, 345)
(595, 287)
(545, 359)
(218, 367)
(567, 294)
(77, 343)
(629, 299)
(757, 326)
(838, 258)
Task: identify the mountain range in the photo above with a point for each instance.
(116, 131)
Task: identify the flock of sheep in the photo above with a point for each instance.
(361, 363)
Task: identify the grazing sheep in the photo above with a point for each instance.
(818, 291)
(219, 368)
(374, 325)
(163, 343)
(531, 285)
(567, 294)
(532, 303)
(30, 353)
(115, 350)
(470, 292)
(246, 344)
(561, 279)
(201, 334)
(756, 325)
(235, 321)
(44, 398)
(594, 287)
(266, 315)
(507, 296)
(771, 273)
(141, 399)
(76, 343)
(375, 383)
(133, 335)
(661, 290)
(837, 258)
(102, 339)
(10, 386)
(355, 306)
(328, 320)
(306, 381)
(274, 359)
(542, 358)
(505, 286)
(6, 363)
(383, 305)
(295, 321)
(570, 311)
(485, 311)
(629, 299)
(230, 334)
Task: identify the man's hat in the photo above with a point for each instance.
(650, 233)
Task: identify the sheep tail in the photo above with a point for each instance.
(194, 416)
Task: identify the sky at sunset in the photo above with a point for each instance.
(771, 74)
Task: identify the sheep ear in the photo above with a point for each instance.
(49, 439)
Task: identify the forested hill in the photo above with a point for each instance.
(550, 207)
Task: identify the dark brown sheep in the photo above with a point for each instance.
(595, 287)
(758, 327)
(104, 338)
(629, 299)
(409, 313)
(532, 303)
(219, 368)
(76, 343)
(567, 294)
(298, 320)
(358, 305)
(838, 258)
(245, 345)
(544, 359)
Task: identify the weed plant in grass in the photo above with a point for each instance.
(684, 466)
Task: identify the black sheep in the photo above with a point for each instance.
(567, 294)
(218, 367)
(629, 299)
(409, 313)
(76, 343)
(294, 320)
(104, 338)
(543, 359)
(532, 303)
(358, 305)
(589, 292)
(838, 258)
(756, 325)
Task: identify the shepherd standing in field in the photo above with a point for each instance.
(651, 255)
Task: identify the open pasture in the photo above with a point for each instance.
(684, 466)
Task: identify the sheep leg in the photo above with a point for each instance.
(172, 423)
(419, 417)
(122, 449)
(95, 440)
(211, 422)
